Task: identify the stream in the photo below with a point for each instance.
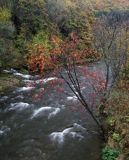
(54, 127)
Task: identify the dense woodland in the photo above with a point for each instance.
(41, 35)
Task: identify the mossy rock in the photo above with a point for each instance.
(7, 82)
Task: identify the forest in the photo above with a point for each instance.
(64, 80)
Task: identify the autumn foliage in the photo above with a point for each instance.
(60, 52)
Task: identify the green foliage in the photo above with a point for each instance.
(116, 136)
(41, 38)
(5, 15)
(109, 153)
(79, 22)
(8, 53)
(31, 16)
(111, 120)
(21, 42)
(7, 31)
(32, 24)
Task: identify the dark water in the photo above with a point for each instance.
(53, 126)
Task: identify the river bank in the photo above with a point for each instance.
(7, 82)
(117, 121)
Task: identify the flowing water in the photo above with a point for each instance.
(52, 127)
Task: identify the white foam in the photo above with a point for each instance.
(10, 71)
(26, 76)
(23, 75)
(40, 111)
(83, 88)
(19, 97)
(72, 98)
(1, 132)
(4, 130)
(46, 80)
(7, 71)
(46, 111)
(73, 132)
(4, 98)
(19, 106)
(13, 70)
(23, 89)
(54, 113)
(39, 81)
(78, 127)
(57, 137)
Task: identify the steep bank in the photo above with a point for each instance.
(117, 109)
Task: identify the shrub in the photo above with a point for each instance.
(5, 15)
(41, 38)
(109, 153)
(116, 137)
